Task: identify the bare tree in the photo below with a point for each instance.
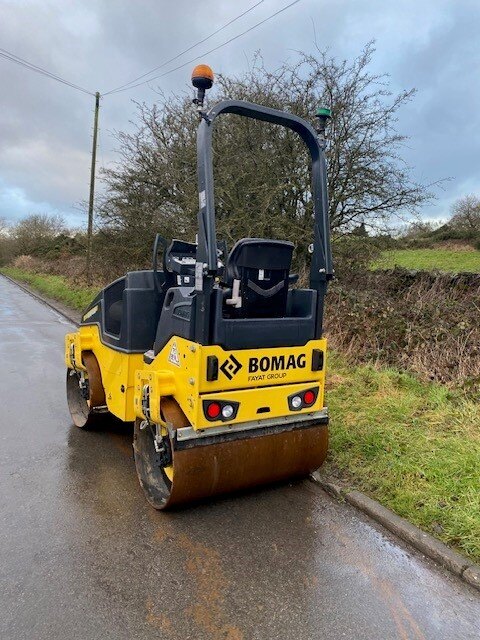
(368, 179)
(466, 214)
(35, 233)
(6, 249)
(262, 173)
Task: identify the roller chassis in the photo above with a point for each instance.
(147, 384)
(139, 391)
(218, 362)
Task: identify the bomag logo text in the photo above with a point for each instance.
(276, 363)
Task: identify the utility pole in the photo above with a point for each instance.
(92, 189)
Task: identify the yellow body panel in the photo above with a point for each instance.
(256, 378)
(118, 369)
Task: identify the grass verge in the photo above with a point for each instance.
(447, 260)
(55, 287)
(413, 446)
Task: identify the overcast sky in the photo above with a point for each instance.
(45, 127)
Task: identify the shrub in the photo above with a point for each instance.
(422, 322)
(353, 255)
(28, 263)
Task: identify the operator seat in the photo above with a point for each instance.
(257, 271)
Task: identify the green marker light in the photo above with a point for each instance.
(323, 112)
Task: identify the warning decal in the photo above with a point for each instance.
(173, 357)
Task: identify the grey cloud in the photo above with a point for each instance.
(45, 128)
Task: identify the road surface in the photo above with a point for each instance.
(82, 555)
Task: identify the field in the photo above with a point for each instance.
(412, 445)
(448, 260)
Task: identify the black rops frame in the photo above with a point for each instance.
(207, 259)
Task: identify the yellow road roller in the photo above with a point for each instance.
(215, 355)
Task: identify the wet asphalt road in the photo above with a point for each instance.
(82, 555)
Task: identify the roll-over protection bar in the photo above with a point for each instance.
(207, 258)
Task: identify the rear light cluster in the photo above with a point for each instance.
(302, 399)
(223, 410)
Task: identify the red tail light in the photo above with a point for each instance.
(302, 399)
(309, 397)
(224, 410)
(213, 410)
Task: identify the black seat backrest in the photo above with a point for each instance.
(261, 269)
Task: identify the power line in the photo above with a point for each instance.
(32, 67)
(164, 64)
(7, 55)
(258, 24)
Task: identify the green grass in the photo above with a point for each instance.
(413, 446)
(431, 259)
(54, 287)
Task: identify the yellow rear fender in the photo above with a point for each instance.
(117, 369)
(259, 380)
